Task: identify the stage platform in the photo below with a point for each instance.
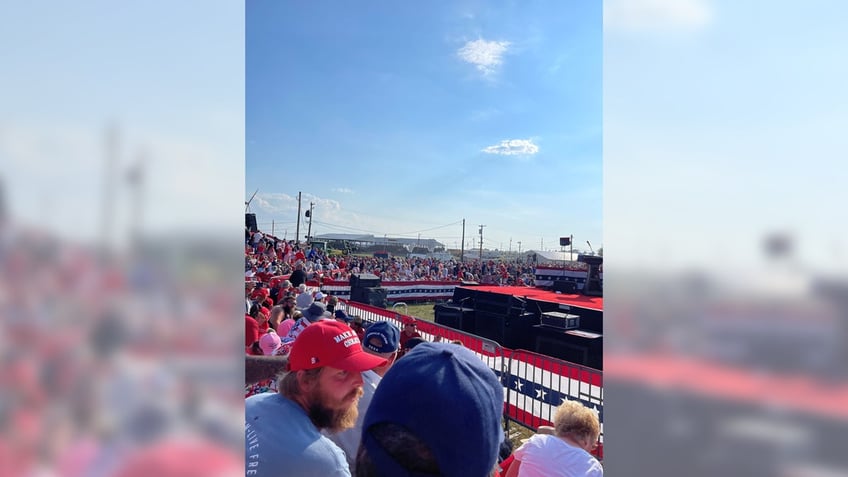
(512, 317)
(595, 303)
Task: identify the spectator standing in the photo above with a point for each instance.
(298, 276)
(410, 330)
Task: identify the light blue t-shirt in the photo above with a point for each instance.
(281, 441)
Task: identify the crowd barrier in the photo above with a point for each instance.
(414, 290)
(534, 384)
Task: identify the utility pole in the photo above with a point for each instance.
(136, 179)
(297, 230)
(519, 247)
(462, 250)
(481, 242)
(510, 246)
(108, 200)
(272, 228)
(571, 248)
(542, 244)
(309, 230)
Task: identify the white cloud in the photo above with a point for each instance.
(343, 190)
(657, 15)
(274, 203)
(513, 147)
(485, 55)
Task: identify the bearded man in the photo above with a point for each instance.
(319, 390)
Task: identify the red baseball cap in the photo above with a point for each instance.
(330, 343)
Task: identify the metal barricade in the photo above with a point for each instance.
(537, 384)
(534, 384)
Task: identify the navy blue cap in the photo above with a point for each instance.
(341, 315)
(386, 332)
(464, 436)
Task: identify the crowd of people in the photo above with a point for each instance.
(267, 256)
(327, 394)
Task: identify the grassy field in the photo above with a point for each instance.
(423, 311)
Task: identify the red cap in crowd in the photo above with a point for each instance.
(330, 343)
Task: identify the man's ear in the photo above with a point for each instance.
(305, 381)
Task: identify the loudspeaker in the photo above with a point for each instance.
(573, 346)
(374, 296)
(377, 296)
(250, 222)
(564, 286)
(593, 287)
(511, 331)
(455, 317)
(363, 280)
(463, 296)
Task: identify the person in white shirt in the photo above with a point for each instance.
(304, 298)
(566, 453)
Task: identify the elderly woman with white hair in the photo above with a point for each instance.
(564, 453)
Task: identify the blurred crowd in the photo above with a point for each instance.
(82, 387)
(267, 256)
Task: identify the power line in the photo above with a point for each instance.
(432, 228)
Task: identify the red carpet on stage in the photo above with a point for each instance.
(583, 301)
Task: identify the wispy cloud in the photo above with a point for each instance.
(657, 15)
(486, 56)
(275, 202)
(343, 190)
(513, 147)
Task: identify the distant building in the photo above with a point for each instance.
(366, 240)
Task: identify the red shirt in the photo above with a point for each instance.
(251, 330)
(260, 294)
(405, 337)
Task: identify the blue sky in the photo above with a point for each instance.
(402, 118)
(168, 76)
(723, 123)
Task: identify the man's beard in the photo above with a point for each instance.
(325, 416)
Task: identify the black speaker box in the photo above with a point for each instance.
(456, 317)
(510, 331)
(463, 296)
(364, 280)
(250, 222)
(377, 296)
(564, 286)
(574, 349)
(374, 296)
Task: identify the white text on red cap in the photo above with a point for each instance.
(347, 334)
